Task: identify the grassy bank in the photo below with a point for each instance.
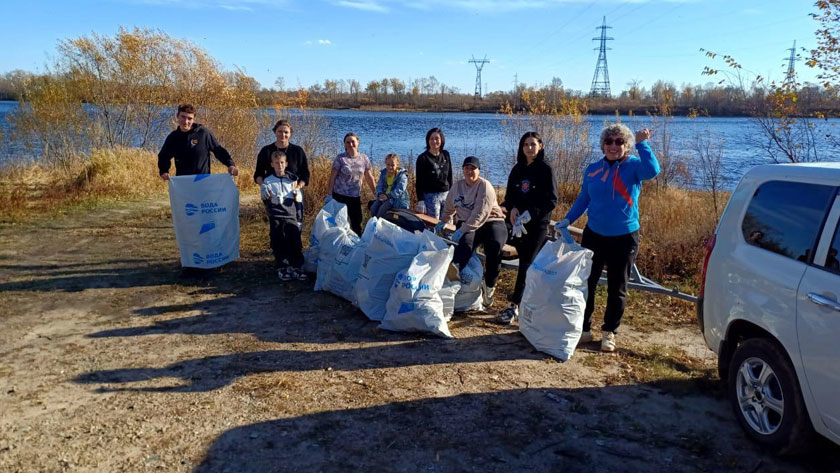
(675, 222)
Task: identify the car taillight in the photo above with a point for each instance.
(710, 245)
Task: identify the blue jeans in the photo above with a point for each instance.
(435, 203)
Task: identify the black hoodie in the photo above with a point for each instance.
(295, 162)
(191, 151)
(531, 188)
(433, 174)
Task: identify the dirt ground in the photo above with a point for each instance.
(110, 363)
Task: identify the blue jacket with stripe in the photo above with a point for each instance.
(610, 192)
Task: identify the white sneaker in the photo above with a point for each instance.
(608, 342)
(487, 294)
(586, 337)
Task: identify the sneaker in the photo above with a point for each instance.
(286, 274)
(300, 275)
(509, 315)
(487, 294)
(608, 342)
(586, 337)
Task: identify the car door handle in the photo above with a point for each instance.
(823, 301)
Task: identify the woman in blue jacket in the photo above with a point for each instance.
(610, 196)
(392, 189)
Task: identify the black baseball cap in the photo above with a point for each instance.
(472, 161)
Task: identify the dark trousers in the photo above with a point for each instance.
(527, 248)
(492, 235)
(354, 211)
(618, 253)
(285, 242)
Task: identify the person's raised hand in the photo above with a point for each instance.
(165, 176)
(643, 134)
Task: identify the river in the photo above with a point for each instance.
(484, 135)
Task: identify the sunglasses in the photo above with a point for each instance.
(617, 141)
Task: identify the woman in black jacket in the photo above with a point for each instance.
(529, 200)
(433, 175)
(295, 156)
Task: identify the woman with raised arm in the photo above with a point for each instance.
(610, 196)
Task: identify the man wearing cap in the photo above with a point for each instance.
(479, 221)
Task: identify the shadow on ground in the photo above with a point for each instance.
(214, 372)
(505, 431)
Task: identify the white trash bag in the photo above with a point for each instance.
(551, 312)
(415, 303)
(390, 251)
(447, 295)
(340, 259)
(469, 295)
(333, 214)
(205, 214)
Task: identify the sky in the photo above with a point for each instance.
(528, 41)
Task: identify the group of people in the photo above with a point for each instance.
(609, 195)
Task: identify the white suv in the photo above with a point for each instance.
(769, 303)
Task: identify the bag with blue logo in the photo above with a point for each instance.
(390, 251)
(468, 296)
(415, 303)
(205, 214)
(551, 312)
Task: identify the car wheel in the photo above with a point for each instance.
(766, 397)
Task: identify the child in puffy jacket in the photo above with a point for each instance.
(283, 203)
(392, 189)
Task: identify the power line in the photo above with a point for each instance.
(790, 77)
(479, 65)
(601, 79)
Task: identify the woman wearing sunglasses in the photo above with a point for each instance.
(610, 196)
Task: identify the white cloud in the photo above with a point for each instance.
(232, 5)
(324, 41)
(320, 42)
(366, 5)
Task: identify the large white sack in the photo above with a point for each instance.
(340, 259)
(205, 214)
(332, 215)
(447, 295)
(469, 295)
(551, 312)
(414, 304)
(390, 251)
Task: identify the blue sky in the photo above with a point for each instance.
(307, 41)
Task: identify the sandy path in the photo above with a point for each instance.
(110, 363)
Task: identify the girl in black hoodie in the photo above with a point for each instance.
(530, 188)
(433, 175)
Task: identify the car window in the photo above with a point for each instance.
(832, 260)
(785, 217)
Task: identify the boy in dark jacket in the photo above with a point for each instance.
(281, 196)
(191, 144)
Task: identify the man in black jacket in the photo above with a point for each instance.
(191, 144)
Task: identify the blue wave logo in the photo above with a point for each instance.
(199, 177)
(197, 259)
(190, 210)
(207, 227)
(406, 307)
